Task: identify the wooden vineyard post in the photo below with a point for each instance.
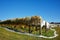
(29, 29)
(45, 27)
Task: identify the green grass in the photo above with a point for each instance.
(48, 33)
(7, 35)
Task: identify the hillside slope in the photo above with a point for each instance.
(7, 35)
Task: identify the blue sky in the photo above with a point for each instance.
(49, 10)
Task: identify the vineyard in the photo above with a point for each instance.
(27, 25)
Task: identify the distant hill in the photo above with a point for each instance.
(54, 22)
